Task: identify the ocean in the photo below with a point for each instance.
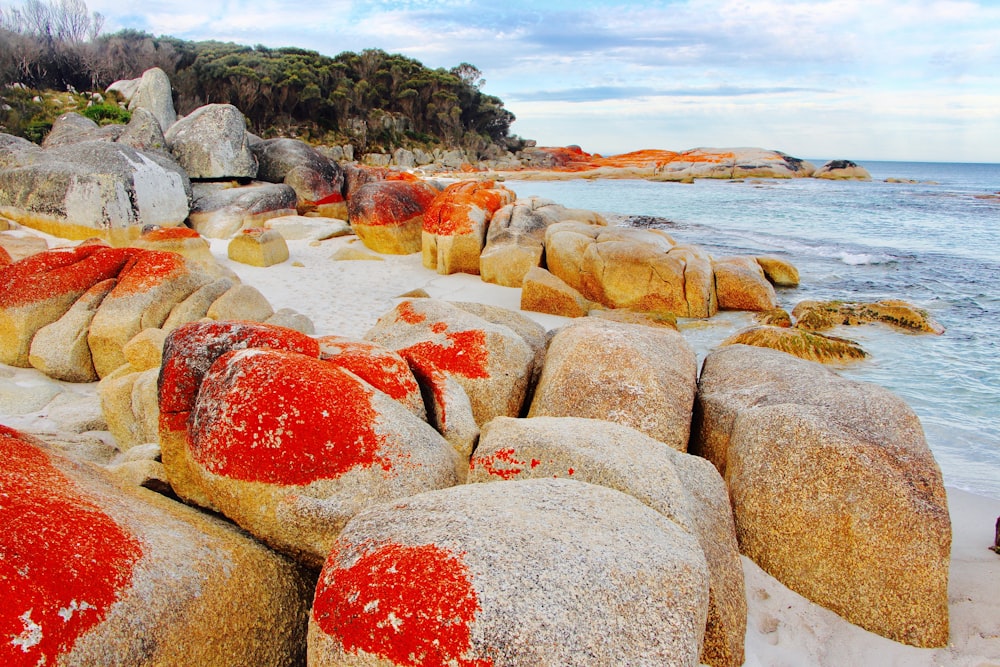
(931, 240)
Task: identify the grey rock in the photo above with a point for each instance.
(535, 572)
(95, 188)
(220, 210)
(154, 95)
(211, 142)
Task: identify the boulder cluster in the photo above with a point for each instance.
(459, 486)
(473, 490)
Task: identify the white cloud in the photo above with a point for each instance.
(852, 73)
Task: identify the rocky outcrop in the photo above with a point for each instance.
(153, 94)
(822, 315)
(99, 574)
(632, 268)
(542, 292)
(317, 180)
(843, 170)
(455, 224)
(470, 368)
(658, 165)
(517, 237)
(95, 188)
(211, 142)
(834, 490)
(388, 215)
(447, 577)
(221, 210)
(639, 376)
(290, 447)
(741, 284)
(684, 488)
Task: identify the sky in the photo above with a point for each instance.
(840, 79)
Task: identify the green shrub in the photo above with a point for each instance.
(106, 114)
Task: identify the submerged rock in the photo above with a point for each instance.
(821, 315)
(803, 344)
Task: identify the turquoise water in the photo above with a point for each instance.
(932, 243)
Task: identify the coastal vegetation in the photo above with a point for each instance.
(375, 100)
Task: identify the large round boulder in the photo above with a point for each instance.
(291, 446)
(536, 572)
(639, 376)
(455, 225)
(388, 216)
(684, 488)
(835, 492)
(317, 180)
(95, 188)
(188, 354)
(212, 142)
(154, 95)
(99, 574)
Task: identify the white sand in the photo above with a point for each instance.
(783, 629)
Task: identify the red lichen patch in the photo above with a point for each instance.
(191, 350)
(405, 312)
(439, 327)
(389, 203)
(332, 198)
(573, 159)
(146, 269)
(455, 209)
(58, 272)
(170, 234)
(500, 464)
(282, 417)
(463, 353)
(411, 605)
(378, 366)
(63, 561)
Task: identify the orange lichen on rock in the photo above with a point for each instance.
(145, 269)
(281, 417)
(406, 604)
(462, 353)
(4, 257)
(458, 208)
(170, 234)
(63, 561)
(191, 350)
(378, 366)
(501, 463)
(59, 272)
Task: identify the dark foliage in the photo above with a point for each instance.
(374, 100)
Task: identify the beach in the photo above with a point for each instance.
(347, 297)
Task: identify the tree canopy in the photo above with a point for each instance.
(373, 99)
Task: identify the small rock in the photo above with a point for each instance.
(258, 247)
